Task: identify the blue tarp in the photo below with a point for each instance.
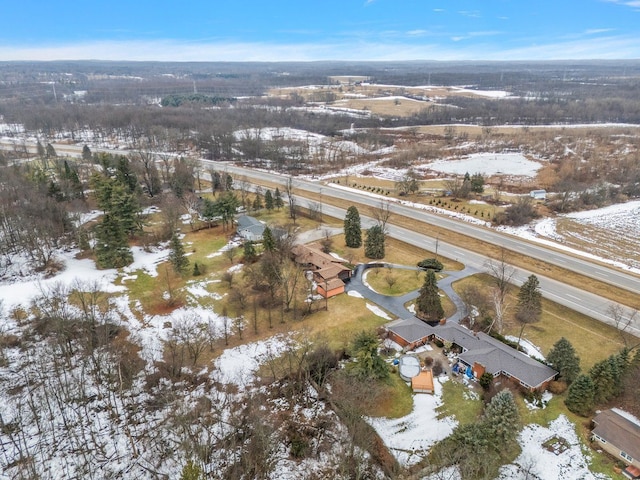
(469, 372)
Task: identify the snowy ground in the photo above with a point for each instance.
(620, 222)
(536, 462)
(488, 164)
(410, 437)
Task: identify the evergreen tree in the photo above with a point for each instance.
(268, 242)
(216, 182)
(196, 270)
(177, 256)
(277, 199)
(477, 183)
(607, 376)
(268, 200)
(228, 182)
(250, 254)
(529, 307)
(120, 220)
(502, 418)
(112, 247)
(86, 153)
(257, 203)
(226, 207)
(352, 228)
(209, 211)
(428, 303)
(50, 151)
(126, 176)
(580, 397)
(563, 358)
(374, 243)
(369, 364)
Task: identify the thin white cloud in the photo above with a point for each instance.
(595, 47)
(438, 10)
(627, 3)
(595, 31)
(417, 33)
(470, 13)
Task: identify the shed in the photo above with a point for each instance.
(423, 383)
(538, 194)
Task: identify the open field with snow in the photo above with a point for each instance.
(610, 233)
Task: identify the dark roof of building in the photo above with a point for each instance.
(410, 329)
(245, 221)
(496, 358)
(492, 354)
(617, 427)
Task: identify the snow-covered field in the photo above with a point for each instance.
(488, 164)
(610, 234)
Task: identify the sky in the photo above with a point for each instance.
(306, 30)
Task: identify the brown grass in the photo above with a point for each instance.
(537, 266)
(593, 340)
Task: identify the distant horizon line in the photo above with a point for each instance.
(457, 61)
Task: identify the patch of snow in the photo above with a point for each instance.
(238, 365)
(378, 311)
(75, 270)
(529, 348)
(410, 437)
(536, 461)
(632, 418)
(353, 293)
(487, 164)
(544, 399)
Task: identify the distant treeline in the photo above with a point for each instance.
(177, 100)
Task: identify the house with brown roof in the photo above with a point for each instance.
(618, 433)
(329, 273)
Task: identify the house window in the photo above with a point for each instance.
(599, 438)
(626, 456)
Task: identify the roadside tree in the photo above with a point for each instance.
(352, 228)
(529, 306)
(374, 244)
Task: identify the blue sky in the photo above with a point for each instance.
(283, 30)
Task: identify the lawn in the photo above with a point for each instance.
(394, 281)
(592, 340)
(461, 402)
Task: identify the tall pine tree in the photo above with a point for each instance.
(502, 418)
(428, 303)
(581, 395)
(277, 199)
(268, 200)
(177, 256)
(352, 228)
(268, 242)
(374, 243)
(563, 358)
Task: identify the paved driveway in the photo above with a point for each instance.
(396, 305)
